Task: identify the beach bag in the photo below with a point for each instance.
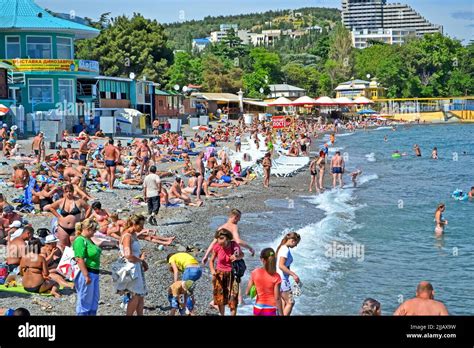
(68, 266)
(124, 271)
(3, 273)
(238, 269)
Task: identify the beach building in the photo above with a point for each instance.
(285, 90)
(37, 51)
(168, 104)
(360, 88)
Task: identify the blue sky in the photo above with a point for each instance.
(457, 16)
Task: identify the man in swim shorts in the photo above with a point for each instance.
(337, 169)
(112, 157)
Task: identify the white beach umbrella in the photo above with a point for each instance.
(363, 101)
(302, 101)
(282, 101)
(325, 101)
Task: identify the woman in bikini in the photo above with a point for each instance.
(313, 169)
(44, 197)
(35, 273)
(68, 210)
(101, 216)
(440, 222)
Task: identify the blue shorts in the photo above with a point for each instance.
(226, 179)
(337, 170)
(175, 304)
(192, 273)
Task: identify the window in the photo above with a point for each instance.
(113, 95)
(123, 95)
(102, 95)
(12, 47)
(40, 90)
(38, 47)
(64, 46)
(66, 90)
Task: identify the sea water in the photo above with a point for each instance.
(377, 240)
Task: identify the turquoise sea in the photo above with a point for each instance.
(377, 240)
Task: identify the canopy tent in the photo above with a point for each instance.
(4, 110)
(367, 112)
(255, 103)
(363, 101)
(325, 101)
(302, 101)
(282, 101)
(344, 101)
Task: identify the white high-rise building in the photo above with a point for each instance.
(375, 19)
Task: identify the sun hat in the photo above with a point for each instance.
(50, 239)
(15, 224)
(188, 286)
(16, 234)
(5, 125)
(14, 127)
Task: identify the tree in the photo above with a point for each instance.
(220, 76)
(185, 70)
(263, 69)
(128, 45)
(431, 63)
(230, 47)
(340, 55)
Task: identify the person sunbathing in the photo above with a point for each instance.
(151, 236)
(116, 226)
(52, 254)
(213, 181)
(21, 176)
(225, 178)
(176, 193)
(101, 216)
(34, 271)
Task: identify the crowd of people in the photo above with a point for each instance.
(62, 184)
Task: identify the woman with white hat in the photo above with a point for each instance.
(52, 255)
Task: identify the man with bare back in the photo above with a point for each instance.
(111, 157)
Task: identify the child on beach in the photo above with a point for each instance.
(180, 295)
(354, 176)
(267, 164)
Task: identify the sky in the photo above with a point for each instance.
(456, 16)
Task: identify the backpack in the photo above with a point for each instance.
(238, 269)
(3, 273)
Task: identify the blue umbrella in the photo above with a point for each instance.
(367, 112)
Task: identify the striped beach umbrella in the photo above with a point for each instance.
(4, 110)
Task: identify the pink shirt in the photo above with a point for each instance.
(223, 255)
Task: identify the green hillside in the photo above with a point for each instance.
(181, 34)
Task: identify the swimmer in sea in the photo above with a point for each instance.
(385, 138)
(434, 153)
(440, 222)
(471, 193)
(417, 150)
(354, 176)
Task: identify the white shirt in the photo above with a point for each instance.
(152, 183)
(284, 252)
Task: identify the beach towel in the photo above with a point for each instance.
(19, 289)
